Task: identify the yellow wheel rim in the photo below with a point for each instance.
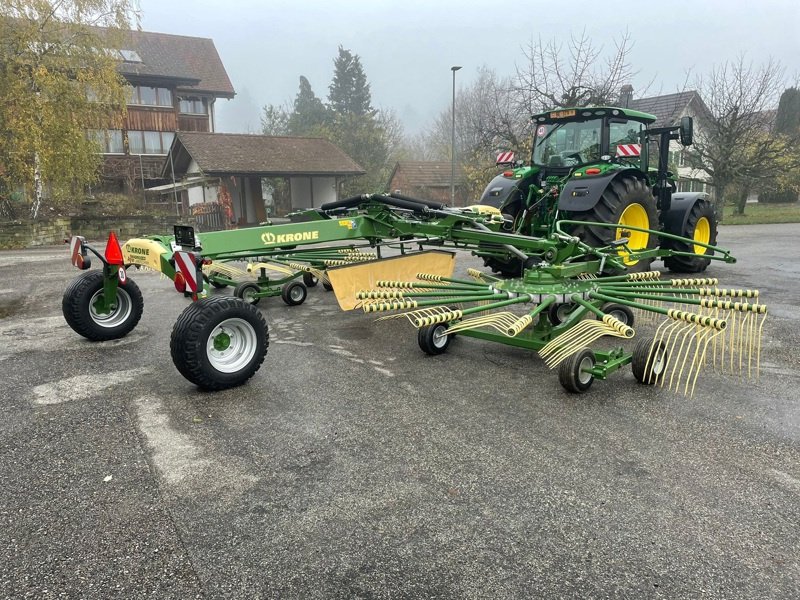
(634, 215)
(702, 233)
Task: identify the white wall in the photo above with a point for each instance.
(312, 192)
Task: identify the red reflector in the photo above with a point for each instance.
(592, 171)
(113, 251)
(508, 173)
(180, 282)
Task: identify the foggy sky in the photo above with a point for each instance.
(408, 47)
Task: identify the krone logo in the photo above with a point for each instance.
(270, 238)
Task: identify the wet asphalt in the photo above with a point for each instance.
(355, 466)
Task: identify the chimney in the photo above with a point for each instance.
(625, 95)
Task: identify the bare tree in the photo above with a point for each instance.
(734, 144)
(573, 74)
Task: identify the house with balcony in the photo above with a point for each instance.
(175, 83)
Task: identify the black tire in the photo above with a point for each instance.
(246, 291)
(219, 342)
(572, 375)
(77, 307)
(693, 264)
(558, 312)
(310, 279)
(649, 360)
(216, 284)
(507, 268)
(432, 340)
(294, 293)
(620, 312)
(618, 196)
(327, 286)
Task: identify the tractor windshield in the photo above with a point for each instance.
(568, 144)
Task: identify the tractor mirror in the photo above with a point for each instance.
(686, 130)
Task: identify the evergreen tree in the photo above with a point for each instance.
(349, 91)
(787, 126)
(309, 113)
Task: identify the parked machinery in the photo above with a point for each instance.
(593, 165)
(396, 254)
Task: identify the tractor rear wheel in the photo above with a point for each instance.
(219, 342)
(80, 308)
(629, 202)
(701, 226)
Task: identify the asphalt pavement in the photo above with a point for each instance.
(355, 466)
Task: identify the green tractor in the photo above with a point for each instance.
(593, 165)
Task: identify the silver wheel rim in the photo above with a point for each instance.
(587, 362)
(440, 336)
(658, 360)
(562, 312)
(117, 316)
(231, 345)
(296, 293)
(249, 294)
(620, 315)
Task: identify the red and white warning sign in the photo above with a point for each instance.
(504, 158)
(629, 150)
(123, 276)
(541, 130)
(187, 265)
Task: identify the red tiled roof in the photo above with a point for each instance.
(426, 174)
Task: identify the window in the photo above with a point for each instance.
(149, 142)
(568, 144)
(109, 140)
(151, 96)
(193, 106)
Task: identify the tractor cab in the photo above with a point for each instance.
(573, 139)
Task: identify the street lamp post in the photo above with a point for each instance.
(453, 143)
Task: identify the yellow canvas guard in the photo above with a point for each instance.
(348, 280)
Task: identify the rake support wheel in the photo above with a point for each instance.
(219, 342)
(79, 306)
(649, 360)
(573, 373)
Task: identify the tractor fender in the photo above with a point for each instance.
(499, 190)
(679, 209)
(580, 194)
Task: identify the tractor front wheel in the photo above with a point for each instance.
(84, 310)
(627, 202)
(701, 226)
(219, 342)
(433, 339)
(574, 375)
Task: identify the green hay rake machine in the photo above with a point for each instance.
(393, 254)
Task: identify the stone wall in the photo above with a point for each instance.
(55, 231)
